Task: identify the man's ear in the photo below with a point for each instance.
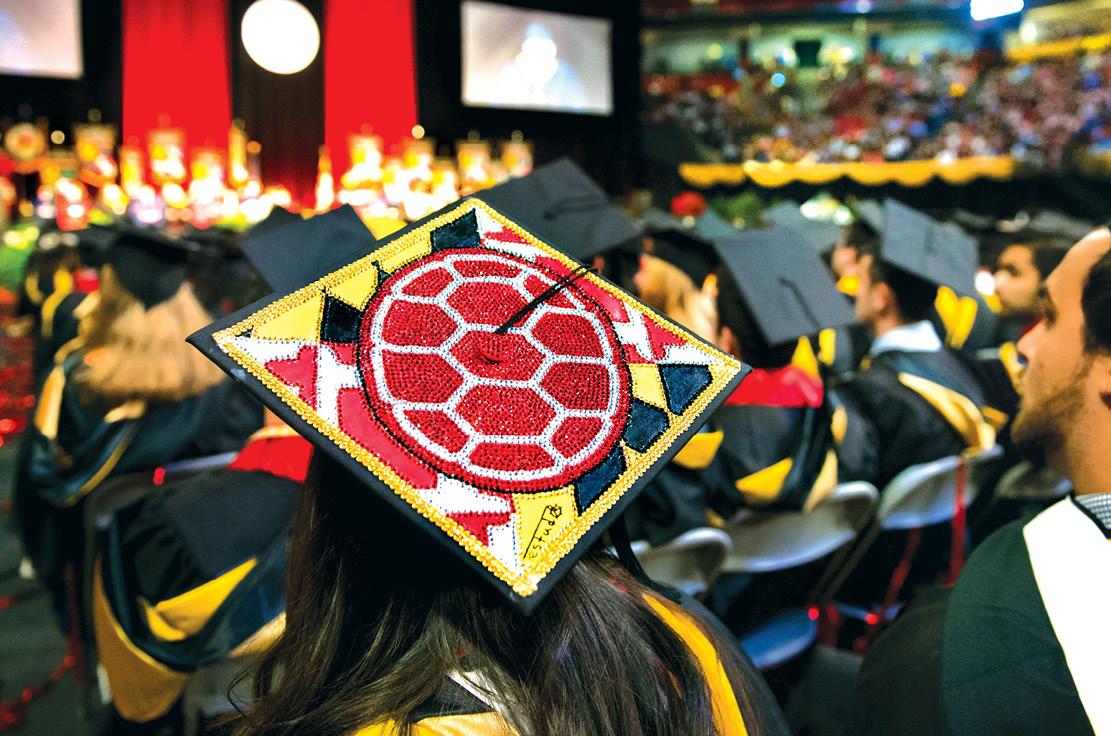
(883, 298)
(727, 342)
(1100, 375)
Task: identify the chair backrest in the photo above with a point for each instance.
(764, 541)
(179, 468)
(691, 562)
(926, 493)
(1024, 482)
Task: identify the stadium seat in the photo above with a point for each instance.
(765, 541)
(1024, 482)
(768, 541)
(691, 562)
(919, 496)
(926, 494)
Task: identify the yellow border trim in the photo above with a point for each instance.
(722, 370)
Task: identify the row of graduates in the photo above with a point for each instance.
(178, 584)
(170, 567)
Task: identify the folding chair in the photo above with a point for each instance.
(921, 495)
(1024, 482)
(691, 562)
(770, 541)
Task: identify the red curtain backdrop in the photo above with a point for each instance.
(369, 72)
(175, 63)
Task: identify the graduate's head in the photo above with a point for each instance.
(668, 289)
(135, 339)
(1019, 273)
(1065, 417)
(888, 296)
(739, 334)
(379, 616)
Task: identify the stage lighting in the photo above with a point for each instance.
(281, 36)
(986, 9)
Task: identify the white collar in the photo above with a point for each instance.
(916, 337)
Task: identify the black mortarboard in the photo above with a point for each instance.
(680, 246)
(506, 400)
(94, 242)
(149, 264)
(821, 235)
(710, 226)
(559, 203)
(869, 213)
(785, 285)
(929, 250)
(289, 253)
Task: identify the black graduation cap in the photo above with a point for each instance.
(680, 246)
(94, 242)
(149, 264)
(870, 213)
(710, 226)
(821, 235)
(937, 253)
(785, 285)
(497, 393)
(289, 251)
(559, 203)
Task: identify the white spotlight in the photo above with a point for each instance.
(281, 36)
(985, 9)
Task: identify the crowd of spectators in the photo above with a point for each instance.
(881, 110)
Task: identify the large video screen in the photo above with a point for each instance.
(40, 38)
(535, 60)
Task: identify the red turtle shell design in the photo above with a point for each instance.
(529, 410)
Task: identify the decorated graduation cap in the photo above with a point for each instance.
(558, 202)
(504, 398)
(821, 235)
(289, 251)
(928, 250)
(785, 286)
(149, 264)
(680, 246)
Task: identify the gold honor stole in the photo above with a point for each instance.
(1070, 557)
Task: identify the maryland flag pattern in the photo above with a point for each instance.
(508, 397)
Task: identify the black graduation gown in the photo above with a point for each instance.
(676, 500)
(780, 454)
(182, 581)
(965, 323)
(919, 407)
(981, 659)
(59, 326)
(998, 370)
(839, 350)
(74, 444)
(922, 406)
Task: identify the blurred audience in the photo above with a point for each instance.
(943, 108)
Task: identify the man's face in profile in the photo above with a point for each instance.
(1055, 392)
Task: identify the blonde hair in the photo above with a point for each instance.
(668, 289)
(137, 353)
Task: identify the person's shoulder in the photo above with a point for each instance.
(488, 724)
(451, 711)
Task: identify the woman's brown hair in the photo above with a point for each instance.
(379, 615)
(135, 352)
(667, 289)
